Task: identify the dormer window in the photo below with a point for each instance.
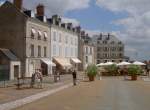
(119, 42)
(45, 36)
(39, 35)
(33, 32)
(112, 42)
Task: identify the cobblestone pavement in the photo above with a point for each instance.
(10, 92)
(110, 93)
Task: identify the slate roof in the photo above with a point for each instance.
(9, 54)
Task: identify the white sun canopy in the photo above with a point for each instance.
(48, 62)
(76, 60)
(138, 63)
(123, 63)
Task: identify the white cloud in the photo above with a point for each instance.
(137, 25)
(57, 6)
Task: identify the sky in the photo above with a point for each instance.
(129, 20)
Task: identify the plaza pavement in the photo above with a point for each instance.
(110, 93)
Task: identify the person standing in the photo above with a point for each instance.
(74, 75)
(32, 80)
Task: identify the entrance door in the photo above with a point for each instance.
(44, 69)
(16, 71)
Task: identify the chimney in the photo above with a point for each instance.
(40, 10)
(69, 26)
(18, 4)
(82, 33)
(78, 29)
(108, 36)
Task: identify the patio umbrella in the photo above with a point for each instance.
(101, 64)
(123, 63)
(139, 63)
(108, 63)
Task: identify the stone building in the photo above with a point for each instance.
(109, 48)
(64, 44)
(87, 52)
(27, 35)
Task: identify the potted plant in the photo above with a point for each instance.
(91, 71)
(134, 70)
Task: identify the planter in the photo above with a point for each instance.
(91, 78)
(134, 77)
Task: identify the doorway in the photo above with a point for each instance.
(16, 71)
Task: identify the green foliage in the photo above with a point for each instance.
(92, 70)
(112, 69)
(134, 70)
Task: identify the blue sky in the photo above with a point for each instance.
(96, 18)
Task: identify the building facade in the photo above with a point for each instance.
(87, 52)
(64, 43)
(25, 35)
(109, 48)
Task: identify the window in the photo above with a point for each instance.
(120, 49)
(112, 42)
(60, 39)
(75, 42)
(71, 51)
(45, 36)
(76, 52)
(45, 52)
(54, 36)
(86, 50)
(39, 35)
(120, 55)
(39, 51)
(99, 49)
(119, 42)
(66, 51)
(98, 55)
(104, 42)
(32, 50)
(66, 39)
(54, 50)
(60, 50)
(90, 50)
(33, 32)
(86, 59)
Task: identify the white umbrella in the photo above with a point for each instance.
(123, 63)
(109, 63)
(101, 64)
(139, 63)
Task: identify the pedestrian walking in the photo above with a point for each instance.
(32, 80)
(74, 75)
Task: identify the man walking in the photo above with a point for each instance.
(74, 75)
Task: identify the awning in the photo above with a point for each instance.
(40, 33)
(63, 62)
(33, 31)
(76, 60)
(48, 62)
(45, 35)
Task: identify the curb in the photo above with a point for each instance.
(32, 98)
